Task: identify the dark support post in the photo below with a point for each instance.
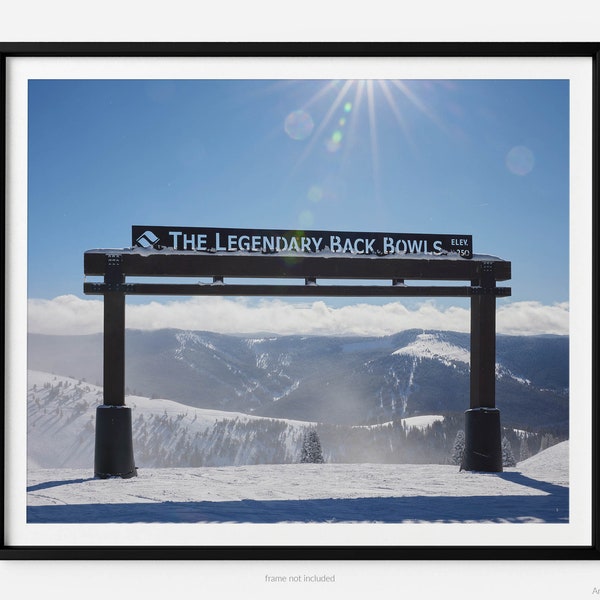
(483, 443)
(114, 349)
(114, 439)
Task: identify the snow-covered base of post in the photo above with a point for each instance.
(114, 443)
(483, 440)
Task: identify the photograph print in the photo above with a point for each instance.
(333, 298)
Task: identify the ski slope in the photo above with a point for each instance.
(536, 491)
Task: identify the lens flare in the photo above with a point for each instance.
(334, 142)
(306, 219)
(315, 194)
(299, 125)
(520, 160)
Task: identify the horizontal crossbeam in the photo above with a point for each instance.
(226, 289)
(136, 263)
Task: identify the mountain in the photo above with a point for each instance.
(327, 379)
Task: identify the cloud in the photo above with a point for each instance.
(72, 315)
(519, 318)
(64, 315)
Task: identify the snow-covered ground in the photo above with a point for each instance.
(536, 491)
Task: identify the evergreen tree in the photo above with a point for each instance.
(311, 448)
(458, 450)
(508, 458)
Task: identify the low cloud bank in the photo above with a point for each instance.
(72, 315)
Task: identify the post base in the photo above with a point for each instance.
(483, 440)
(114, 443)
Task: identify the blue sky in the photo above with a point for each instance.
(483, 157)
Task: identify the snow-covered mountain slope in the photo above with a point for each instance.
(61, 417)
(336, 380)
(61, 433)
(430, 345)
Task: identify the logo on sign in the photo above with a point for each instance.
(147, 240)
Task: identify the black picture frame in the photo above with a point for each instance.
(456, 50)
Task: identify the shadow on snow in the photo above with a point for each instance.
(551, 508)
(50, 484)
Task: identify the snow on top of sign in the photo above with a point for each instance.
(325, 253)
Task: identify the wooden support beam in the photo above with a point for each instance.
(114, 332)
(483, 351)
(114, 349)
(305, 290)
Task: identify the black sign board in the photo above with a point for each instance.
(269, 241)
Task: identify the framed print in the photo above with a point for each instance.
(326, 301)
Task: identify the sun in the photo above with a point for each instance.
(346, 102)
(343, 114)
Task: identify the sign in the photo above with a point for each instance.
(268, 241)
